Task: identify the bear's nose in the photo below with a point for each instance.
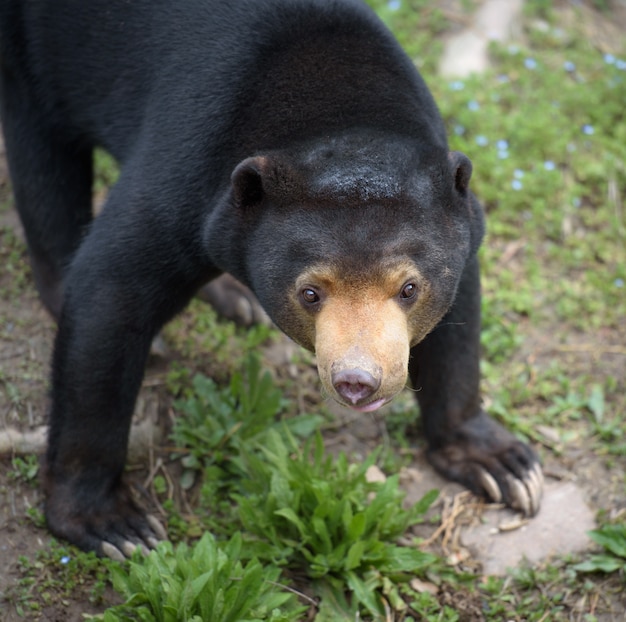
(355, 385)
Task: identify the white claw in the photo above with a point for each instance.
(128, 548)
(534, 483)
(112, 552)
(152, 542)
(244, 311)
(520, 495)
(156, 526)
(539, 473)
(491, 486)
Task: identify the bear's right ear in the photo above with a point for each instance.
(247, 181)
(461, 169)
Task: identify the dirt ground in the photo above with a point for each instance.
(26, 337)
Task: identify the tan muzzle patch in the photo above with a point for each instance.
(362, 346)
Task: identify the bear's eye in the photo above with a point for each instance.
(408, 291)
(309, 295)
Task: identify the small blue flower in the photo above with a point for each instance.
(569, 66)
(503, 149)
(621, 65)
(457, 85)
(513, 49)
(576, 202)
(394, 5)
(530, 63)
(503, 78)
(65, 559)
(459, 130)
(618, 282)
(518, 173)
(482, 141)
(516, 184)
(609, 59)
(588, 129)
(473, 105)
(549, 165)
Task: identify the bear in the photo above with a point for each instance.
(291, 144)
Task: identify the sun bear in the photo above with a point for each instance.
(289, 143)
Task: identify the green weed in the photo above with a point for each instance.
(208, 582)
(216, 346)
(25, 469)
(613, 539)
(321, 517)
(218, 423)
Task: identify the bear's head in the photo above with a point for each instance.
(355, 248)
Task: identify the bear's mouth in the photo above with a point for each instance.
(371, 407)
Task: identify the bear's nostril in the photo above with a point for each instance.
(355, 385)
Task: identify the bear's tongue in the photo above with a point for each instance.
(368, 408)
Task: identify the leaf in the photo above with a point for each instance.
(281, 489)
(595, 403)
(193, 589)
(422, 506)
(612, 538)
(232, 549)
(391, 592)
(355, 555)
(187, 479)
(333, 605)
(366, 594)
(321, 531)
(356, 527)
(304, 425)
(600, 563)
(404, 559)
(292, 517)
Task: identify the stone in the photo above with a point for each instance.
(559, 528)
(466, 52)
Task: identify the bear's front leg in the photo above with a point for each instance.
(464, 443)
(97, 371)
(128, 277)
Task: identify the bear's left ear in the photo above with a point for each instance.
(461, 169)
(247, 181)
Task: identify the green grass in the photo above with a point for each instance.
(321, 517)
(207, 583)
(216, 347)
